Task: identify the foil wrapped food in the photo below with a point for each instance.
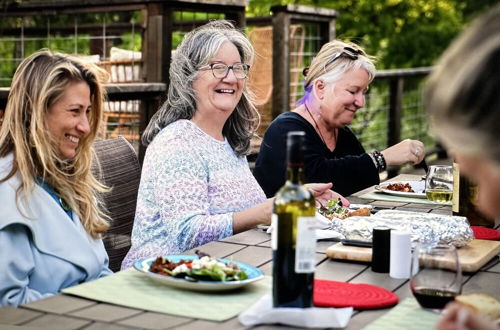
(424, 227)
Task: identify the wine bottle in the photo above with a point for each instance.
(293, 236)
(465, 200)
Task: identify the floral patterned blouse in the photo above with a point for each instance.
(191, 185)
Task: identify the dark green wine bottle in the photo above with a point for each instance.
(465, 200)
(293, 236)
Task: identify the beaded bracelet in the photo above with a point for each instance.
(373, 160)
(380, 160)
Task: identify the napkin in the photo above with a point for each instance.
(262, 312)
(322, 231)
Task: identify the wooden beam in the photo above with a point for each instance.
(281, 63)
(92, 29)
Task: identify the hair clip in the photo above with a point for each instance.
(305, 71)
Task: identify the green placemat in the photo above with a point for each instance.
(407, 315)
(392, 198)
(130, 288)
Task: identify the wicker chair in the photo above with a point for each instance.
(119, 170)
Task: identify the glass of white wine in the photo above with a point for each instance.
(439, 183)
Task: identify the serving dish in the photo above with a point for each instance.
(254, 274)
(417, 186)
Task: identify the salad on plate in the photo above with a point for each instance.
(205, 268)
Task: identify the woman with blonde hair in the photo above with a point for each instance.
(50, 219)
(335, 86)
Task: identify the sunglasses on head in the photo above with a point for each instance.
(348, 52)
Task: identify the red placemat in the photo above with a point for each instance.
(485, 233)
(359, 296)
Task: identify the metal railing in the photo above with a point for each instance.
(393, 109)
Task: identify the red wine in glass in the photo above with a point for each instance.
(436, 275)
(433, 298)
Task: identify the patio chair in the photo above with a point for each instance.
(120, 170)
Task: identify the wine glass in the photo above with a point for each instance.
(436, 275)
(439, 183)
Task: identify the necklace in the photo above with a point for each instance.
(316, 124)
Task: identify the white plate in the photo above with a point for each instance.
(417, 186)
(254, 274)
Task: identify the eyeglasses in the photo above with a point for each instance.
(220, 71)
(348, 52)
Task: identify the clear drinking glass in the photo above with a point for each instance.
(439, 183)
(436, 275)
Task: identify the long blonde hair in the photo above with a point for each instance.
(39, 82)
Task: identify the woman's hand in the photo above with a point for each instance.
(456, 317)
(323, 194)
(259, 214)
(404, 152)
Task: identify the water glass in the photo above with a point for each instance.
(439, 183)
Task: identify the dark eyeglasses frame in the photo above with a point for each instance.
(246, 68)
(348, 52)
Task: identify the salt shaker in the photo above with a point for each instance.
(400, 259)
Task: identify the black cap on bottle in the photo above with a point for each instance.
(295, 148)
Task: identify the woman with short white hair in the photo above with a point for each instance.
(335, 86)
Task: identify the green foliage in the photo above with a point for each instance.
(400, 33)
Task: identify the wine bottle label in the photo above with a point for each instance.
(274, 231)
(456, 188)
(305, 247)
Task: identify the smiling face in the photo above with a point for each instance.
(218, 96)
(67, 118)
(340, 101)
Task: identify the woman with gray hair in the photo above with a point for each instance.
(335, 88)
(196, 185)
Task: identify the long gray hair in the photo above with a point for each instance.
(196, 50)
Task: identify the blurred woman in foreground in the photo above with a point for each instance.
(462, 96)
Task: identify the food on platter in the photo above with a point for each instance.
(363, 212)
(413, 189)
(205, 268)
(424, 227)
(481, 303)
(335, 209)
(404, 187)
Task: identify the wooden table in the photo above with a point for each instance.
(252, 247)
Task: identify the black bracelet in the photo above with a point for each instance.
(379, 158)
